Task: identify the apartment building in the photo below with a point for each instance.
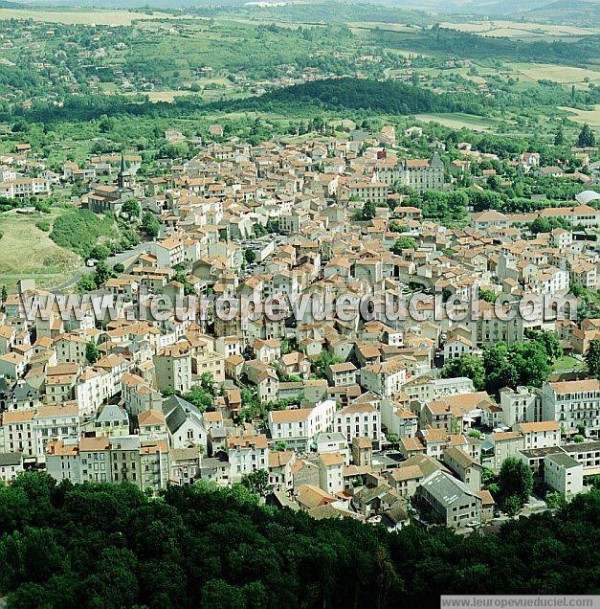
(575, 405)
(298, 427)
(360, 420)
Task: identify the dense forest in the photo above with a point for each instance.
(355, 93)
(454, 43)
(112, 546)
(333, 94)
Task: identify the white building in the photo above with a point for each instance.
(539, 435)
(248, 453)
(11, 465)
(519, 406)
(359, 421)
(298, 427)
(384, 379)
(563, 474)
(426, 389)
(54, 423)
(574, 404)
(331, 472)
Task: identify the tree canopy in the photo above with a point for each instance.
(112, 546)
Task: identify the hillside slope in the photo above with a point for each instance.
(111, 546)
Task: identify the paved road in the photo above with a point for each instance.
(124, 258)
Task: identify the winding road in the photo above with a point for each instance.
(124, 258)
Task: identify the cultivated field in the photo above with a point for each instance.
(591, 117)
(91, 17)
(524, 31)
(163, 96)
(562, 74)
(458, 120)
(28, 252)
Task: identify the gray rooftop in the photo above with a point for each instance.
(330, 437)
(177, 410)
(582, 447)
(446, 489)
(563, 460)
(111, 413)
(125, 442)
(8, 459)
(538, 453)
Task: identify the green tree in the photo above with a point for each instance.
(586, 138)
(207, 382)
(150, 224)
(515, 480)
(520, 364)
(257, 482)
(201, 398)
(555, 500)
(324, 359)
(132, 208)
(592, 358)
(86, 283)
(249, 255)
(559, 138)
(467, 365)
(368, 212)
(547, 225)
(488, 295)
(92, 354)
(218, 593)
(550, 343)
(512, 506)
(403, 243)
(102, 273)
(99, 252)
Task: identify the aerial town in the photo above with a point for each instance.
(299, 304)
(370, 419)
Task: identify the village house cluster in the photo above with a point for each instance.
(347, 418)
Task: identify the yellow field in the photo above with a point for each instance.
(92, 17)
(457, 121)
(562, 74)
(591, 117)
(515, 29)
(26, 251)
(389, 27)
(163, 96)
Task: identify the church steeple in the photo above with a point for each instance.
(122, 173)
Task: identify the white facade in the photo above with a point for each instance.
(359, 421)
(298, 427)
(563, 474)
(574, 404)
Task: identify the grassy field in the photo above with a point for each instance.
(163, 96)
(458, 120)
(390, 27)
(524, 31)
(28, 252)
(90, 17)
(562, 74)
(591, 117)
(566, 363)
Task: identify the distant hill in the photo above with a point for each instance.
(584, 12)
(359, 94)
(574, 10)
(496, 8)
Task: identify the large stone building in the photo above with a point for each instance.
(418, 174)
